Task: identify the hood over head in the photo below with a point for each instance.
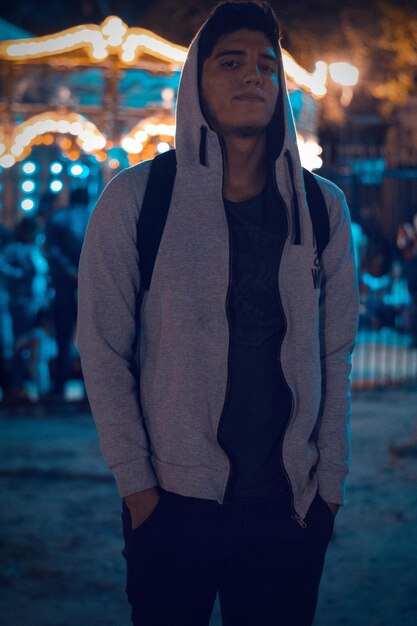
(198, 145)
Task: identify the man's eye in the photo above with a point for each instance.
(230, 64)
(268, 69)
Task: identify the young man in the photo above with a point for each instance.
(231, 449)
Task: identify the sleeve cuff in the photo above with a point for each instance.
(137, 475)
(332, 486)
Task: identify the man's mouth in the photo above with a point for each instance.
(250, 97)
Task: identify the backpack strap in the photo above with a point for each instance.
(156, 203)
(153, 215)
(318, 211)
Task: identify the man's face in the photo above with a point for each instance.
(240, 84)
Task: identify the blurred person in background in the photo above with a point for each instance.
(6, 324)
(48, 204)
(65, 230)
(375, 278)
(25, 269)
(407, 243)
(39, 347)
(360, 242)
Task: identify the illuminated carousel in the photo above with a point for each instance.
(79, 105)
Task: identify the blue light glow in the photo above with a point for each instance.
(29, 167)
(27, 205)
(28, 186)
(79, 170)
(76, 169)
(56, 167)
(56, 185)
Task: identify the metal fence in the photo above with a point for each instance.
(383, 358)
(384, 194)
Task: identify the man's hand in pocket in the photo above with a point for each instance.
(141, 505)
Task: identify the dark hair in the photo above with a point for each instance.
(228, 17)
(79, 195)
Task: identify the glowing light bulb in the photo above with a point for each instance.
(55, 167)
(309, 153)
(76, 169)
(63, 126)
(160, 129)
(318, 79)
(29, 167)
(17, 150)
(163, 146)
(75, 128)
(314, 82)
(28, 186)
(141, 136)
(345, 74)
(7, 161)
(114, 31)
(56, 185)
(27, 205)
(130, 145)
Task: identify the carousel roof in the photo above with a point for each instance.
(94, 82)
(114, 43)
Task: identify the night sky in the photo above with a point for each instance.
(178, 19)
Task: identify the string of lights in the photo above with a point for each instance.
(113, 37)
(113, 46)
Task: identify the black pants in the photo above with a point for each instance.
(264, 565)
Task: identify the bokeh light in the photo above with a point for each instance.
(163, 146)
(28, 186)
(56, 167)
(56, 185)
(29, 167)
(27, 204)
(79, 170)
(344, 73)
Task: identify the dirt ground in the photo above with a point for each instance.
(60, 538)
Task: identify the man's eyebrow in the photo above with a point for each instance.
(269, 57)
(241, 53)
(226, 52)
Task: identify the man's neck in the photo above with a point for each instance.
(245, 167)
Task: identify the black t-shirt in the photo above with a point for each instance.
(259, 402)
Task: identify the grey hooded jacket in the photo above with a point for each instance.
(165, 432)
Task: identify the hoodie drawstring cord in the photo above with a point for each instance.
(203, 145)
(296, 208)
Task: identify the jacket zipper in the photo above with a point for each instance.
(295, 515)
(226, 396)
(296, 209)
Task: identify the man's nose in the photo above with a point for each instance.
(253, 76)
